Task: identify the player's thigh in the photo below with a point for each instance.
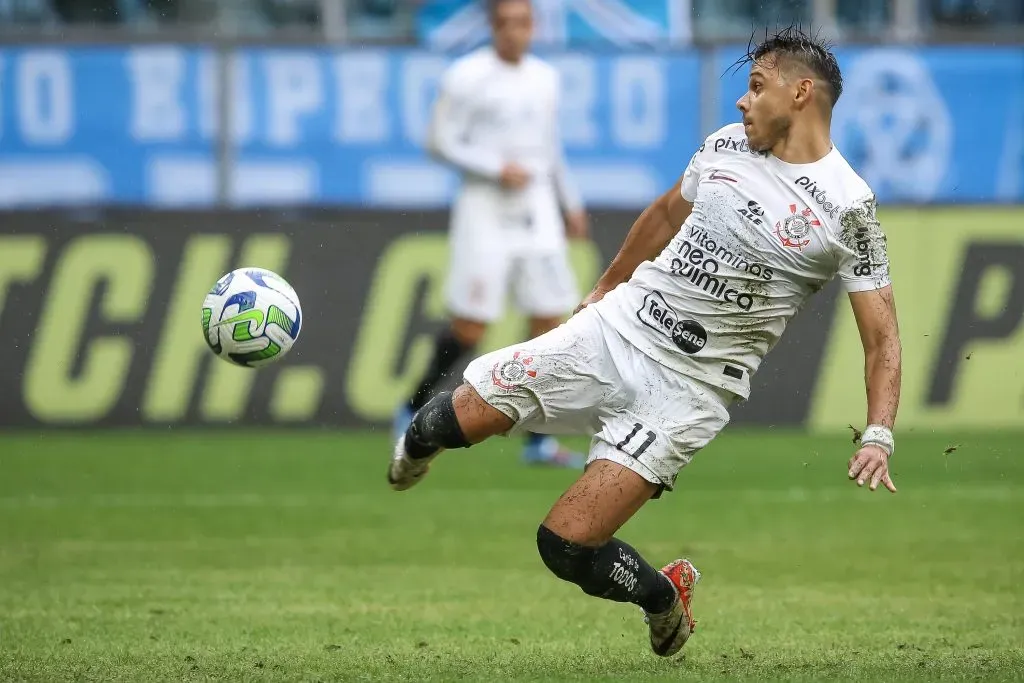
(669, 420)
(477, 283)
(544, 283)
(552, 384)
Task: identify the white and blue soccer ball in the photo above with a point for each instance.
(251, 317)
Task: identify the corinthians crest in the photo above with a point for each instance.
(793, 230)
(510, 374)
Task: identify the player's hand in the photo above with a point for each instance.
(596, 295)
(514, 176)
(871, 465)
(577, 225)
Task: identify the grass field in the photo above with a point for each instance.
(282, 556)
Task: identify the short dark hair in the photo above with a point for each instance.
(492, 6)
(810, 51)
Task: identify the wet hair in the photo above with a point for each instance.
(794, 45)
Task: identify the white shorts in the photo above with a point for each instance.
(495, 253)
(585, 378)
(479, 283)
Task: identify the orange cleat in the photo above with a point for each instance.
(671, 630)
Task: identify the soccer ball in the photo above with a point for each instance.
(251, 317)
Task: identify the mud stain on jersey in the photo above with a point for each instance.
(719, 215)
(732, 240)
(757, 287)
(861, 233)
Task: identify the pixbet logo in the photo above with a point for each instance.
(733, 144)
(819, 195)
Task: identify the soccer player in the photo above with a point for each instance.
(496, 122)
(765, 214)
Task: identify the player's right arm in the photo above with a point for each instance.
(650, 234)
(655, 227)
(451, 139)
(648, 237)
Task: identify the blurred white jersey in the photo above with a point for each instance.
(490, 113)
(764, 235)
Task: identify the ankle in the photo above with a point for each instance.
(662, 602)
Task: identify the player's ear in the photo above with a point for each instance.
(804, 92)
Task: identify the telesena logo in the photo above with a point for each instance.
(689, 336)
(819, 195)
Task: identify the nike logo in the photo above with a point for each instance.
(664, 646)
(718, 175)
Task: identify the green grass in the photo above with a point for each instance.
(283, 556)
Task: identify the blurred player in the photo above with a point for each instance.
(770, 212)
(496, 122)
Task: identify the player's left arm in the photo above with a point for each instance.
(864, 271)
(875, 313)
(569, 196)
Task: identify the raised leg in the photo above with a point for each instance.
(452, 419)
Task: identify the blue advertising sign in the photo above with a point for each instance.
(139, 125)
(462, 24)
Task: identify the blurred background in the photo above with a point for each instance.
(149, 146)
(146, 146)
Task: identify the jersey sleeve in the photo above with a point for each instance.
(451, 134)
(704, 155)
(688, 184)
(863, 257)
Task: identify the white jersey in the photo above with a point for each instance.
(490, 113)
(763, 236)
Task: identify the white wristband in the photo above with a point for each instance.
(879, 435)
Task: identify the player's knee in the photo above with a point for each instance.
(567, 560)
(437, 425)
(480, 420)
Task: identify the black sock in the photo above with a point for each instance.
(614, 571)
(624, 576)
(447, 352)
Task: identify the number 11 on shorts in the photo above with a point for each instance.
(651, 436)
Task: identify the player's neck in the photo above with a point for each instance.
(811, 145)
(509, 59)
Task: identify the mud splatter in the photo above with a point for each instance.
(861, 233)
(856, 433)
